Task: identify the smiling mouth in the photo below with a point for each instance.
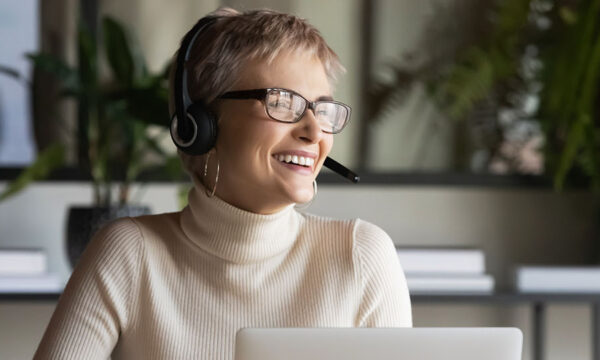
(306, 162)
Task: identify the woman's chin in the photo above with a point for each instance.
(297, 193)
(301, 197)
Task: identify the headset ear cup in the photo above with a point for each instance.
(206, 124)
(189, 138)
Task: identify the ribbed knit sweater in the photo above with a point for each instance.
(179, 285)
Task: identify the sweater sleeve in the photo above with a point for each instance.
(385, 299)
(93, 309)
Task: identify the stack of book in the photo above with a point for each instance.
(26, 271)
(445, 270)
(557, 279)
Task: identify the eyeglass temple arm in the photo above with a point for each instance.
(341, 170)
(245, 94)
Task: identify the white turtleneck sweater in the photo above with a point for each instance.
(179, 285)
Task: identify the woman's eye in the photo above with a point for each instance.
(280, 104)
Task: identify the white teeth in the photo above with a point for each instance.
(294, 159)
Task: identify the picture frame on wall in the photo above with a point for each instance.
(19, 24)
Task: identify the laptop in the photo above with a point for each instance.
(379, 343)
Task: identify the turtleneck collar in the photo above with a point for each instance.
(233, 234)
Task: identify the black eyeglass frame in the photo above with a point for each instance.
(261, 94)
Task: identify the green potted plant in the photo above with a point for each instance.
(532, 62)
(115, 115)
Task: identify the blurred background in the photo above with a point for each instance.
(475, 126)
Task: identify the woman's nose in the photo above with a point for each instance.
(308, 128)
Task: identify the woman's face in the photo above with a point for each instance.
(249, 142)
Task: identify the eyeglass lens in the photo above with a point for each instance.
(286, 106)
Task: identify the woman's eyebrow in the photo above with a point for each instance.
(325, 98)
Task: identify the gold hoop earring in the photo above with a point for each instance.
(211, 193)
(307, 204)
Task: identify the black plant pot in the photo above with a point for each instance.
(83, 222)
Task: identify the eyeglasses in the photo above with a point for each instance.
(288, 106)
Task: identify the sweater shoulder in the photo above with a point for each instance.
(158, 226)
(128, 233)
(360, 229)
(115, 247)
(372, 244)
(156, 221)
(367, 234)
(330, 226)
(313, 218)
(327, 233)
(120, 236)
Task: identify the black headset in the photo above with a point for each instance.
(193, 126)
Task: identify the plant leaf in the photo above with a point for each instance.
(119, 52)
(182, 195)
(66, 74)
(13, 73)
(88, 57)
(47, 161)
(150, 105)
(468, 82)
(173, 167)
(571, 147)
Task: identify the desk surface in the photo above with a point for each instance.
(499, 297)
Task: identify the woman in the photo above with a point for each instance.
(179, 285)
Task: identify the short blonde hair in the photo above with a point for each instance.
(235, 38)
